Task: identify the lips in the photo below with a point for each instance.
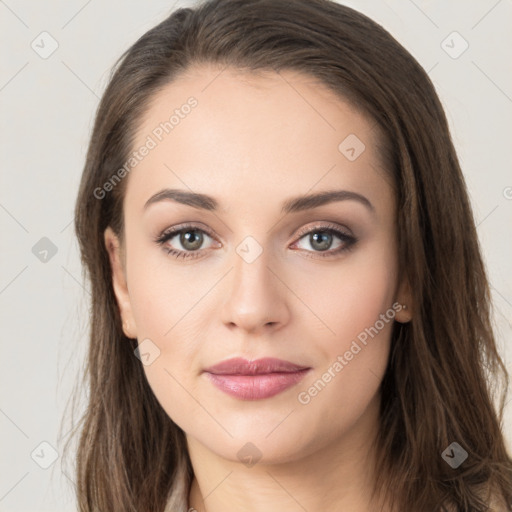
(254, 380)
(239, 366)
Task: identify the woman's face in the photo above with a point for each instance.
(259, 274)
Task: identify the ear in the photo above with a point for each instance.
(119, 283)
(404, 298)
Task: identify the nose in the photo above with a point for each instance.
(256, 297)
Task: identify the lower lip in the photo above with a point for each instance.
(256, 387)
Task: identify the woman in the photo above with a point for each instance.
(289, 305)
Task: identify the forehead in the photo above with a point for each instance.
(276, 132)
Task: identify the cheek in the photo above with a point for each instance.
(356, 305)
(167, 309)
(350, 297)
(161, 292)
(167, 318)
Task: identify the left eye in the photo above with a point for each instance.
(322, 240)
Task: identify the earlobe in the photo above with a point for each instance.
(404, 313)
(119, 282)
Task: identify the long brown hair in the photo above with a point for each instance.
(444, 369)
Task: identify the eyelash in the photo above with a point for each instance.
(168, 234)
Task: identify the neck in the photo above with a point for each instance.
(339, 476)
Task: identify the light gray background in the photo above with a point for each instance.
(47, 112)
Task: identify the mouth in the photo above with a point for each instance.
(255, 380)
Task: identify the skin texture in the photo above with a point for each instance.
(252, 142)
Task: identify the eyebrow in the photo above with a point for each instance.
(292, 205)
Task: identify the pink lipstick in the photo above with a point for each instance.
(255, 380)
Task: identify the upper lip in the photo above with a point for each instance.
(240, 366)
